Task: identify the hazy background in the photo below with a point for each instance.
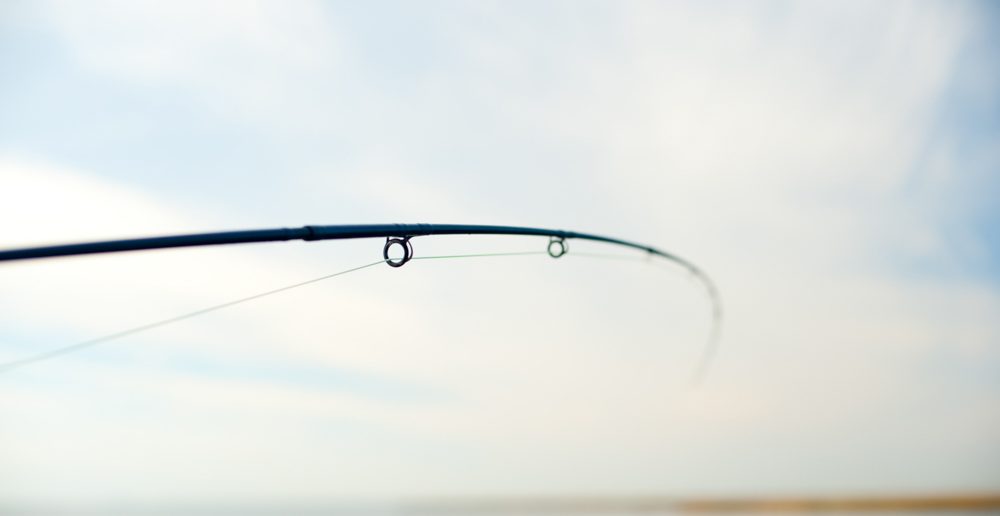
(833, 165)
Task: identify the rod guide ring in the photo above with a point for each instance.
(403, 242)
(557, 246)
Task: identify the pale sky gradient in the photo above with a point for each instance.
(832, 165)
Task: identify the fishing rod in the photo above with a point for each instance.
(396, 235)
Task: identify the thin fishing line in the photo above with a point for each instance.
(48, 355)
(611, 256)
(703, 366)
(478, 255)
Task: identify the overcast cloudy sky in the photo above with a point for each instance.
(833, 165)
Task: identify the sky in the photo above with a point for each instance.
(833, 166)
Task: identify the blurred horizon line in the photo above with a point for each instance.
(724, 503)
(565, 504)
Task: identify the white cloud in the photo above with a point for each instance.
(248, 60)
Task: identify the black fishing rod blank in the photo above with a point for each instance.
(395, 235)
